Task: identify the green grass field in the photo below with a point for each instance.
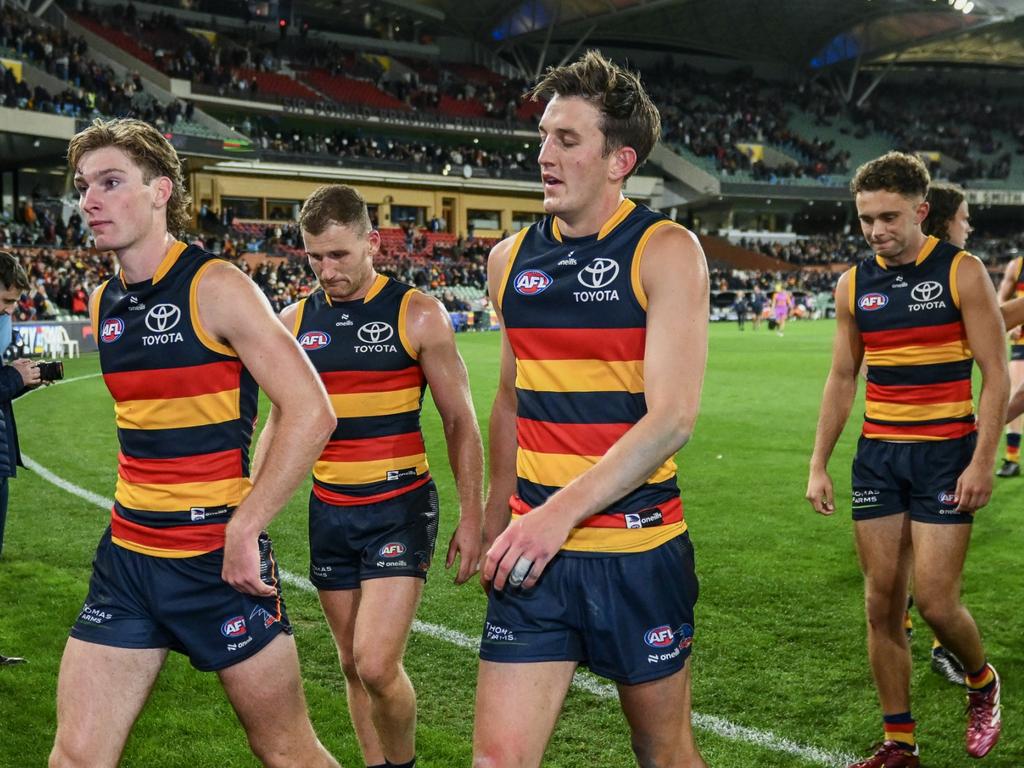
(779, 653)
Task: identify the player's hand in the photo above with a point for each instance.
(527, 545)
(467, 544)
(973, 488)
(819, 492)
(241, 567)
(29, 372)
(1014, 334)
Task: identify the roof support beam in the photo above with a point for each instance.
(547, 42)
(878, 78)
(581, 41)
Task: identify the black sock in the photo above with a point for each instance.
(410, 764)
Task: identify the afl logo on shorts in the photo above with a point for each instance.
(869, 302)
(530, 282)
(112, 329)
(311, 340)
(394, 549)
(948, 498)
(659, 637)
(233, 627)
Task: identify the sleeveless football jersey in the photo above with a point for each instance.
(915, 346)
(575, 316)
(376, 386)
(184, 407)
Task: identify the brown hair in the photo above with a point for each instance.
(893, 172)
(334, 204)
(148, 149)
(12, 274)
(944, 200)
(628, 116)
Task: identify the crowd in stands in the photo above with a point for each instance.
(817, 249)
(60, 281)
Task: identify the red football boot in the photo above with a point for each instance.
(984, 719)
(891, 755)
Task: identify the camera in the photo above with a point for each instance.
(50, 370)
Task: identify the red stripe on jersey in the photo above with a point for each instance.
(671, 512)
(574, 439)
(578, 343)
(919, 336)
(348, 500)
(189, 538)
(929, 394)
(168, 383)
(201, 468)
(373, 448)
(949, 431)
(351, 382)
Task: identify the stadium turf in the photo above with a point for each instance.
(780, 673)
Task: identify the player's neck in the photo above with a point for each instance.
(909, 254)
(364, 288)
(589, 221)
(140, 260)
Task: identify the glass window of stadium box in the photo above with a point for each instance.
(522, 219)
(283, 210)
(243, 207)
(408, 214)
(483, 219)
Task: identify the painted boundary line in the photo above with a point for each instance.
(582, 681)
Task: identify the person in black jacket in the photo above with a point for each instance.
(15, 379)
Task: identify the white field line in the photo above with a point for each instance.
(583, 680)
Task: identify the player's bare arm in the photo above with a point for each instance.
(430, 333)
(837, 399)
(983, 325)
(1012, 312)
(674, 276)
(1007, 291)
(501, 440)
(266, 437)
(234, 312)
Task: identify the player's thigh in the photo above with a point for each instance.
(884, 547)
(266, 693)
(658, 713)
(517, 706)
(1016, 365)
(341, 606)
(939, 554)
(384, 618)
(100, 691)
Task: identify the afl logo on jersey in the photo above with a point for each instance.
(869, 302)
(530, 282)
(312, 340)
(112, 329)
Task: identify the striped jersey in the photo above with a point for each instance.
(1018, 290)
(184, 406)
(575, 315)
(915, 346)
(374, 380)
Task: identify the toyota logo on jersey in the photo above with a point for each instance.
(375, 332)
(111, 329)
(162, 318)
(312, 340)
(599, 273)
(530, 282)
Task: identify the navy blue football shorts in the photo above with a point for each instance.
(628, 617)
(1017, 351)
(139, 601)
(348, 544)
(920, 478)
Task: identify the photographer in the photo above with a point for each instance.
(15, 379)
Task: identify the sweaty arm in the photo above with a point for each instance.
(235, 313)
(837, 399)
(674, 277)
(266, 437)
(984, 326)
(430, 333)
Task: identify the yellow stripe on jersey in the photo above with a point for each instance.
(178, 413)
(638, 255)
(169, 260)
(954, 289)
(560, 469)
(403, 314)
(580, 375)
(511, 261)
(363, 472)
(300, 309)
(197, 324)
(376, 403)
(173, 497)
(902, 412)
(620, 539)
(142, 549)
(378, 285)
(852, 284)
(625, 208)
(940, 353)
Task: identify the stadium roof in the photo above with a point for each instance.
(801, 33)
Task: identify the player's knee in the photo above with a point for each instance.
(64, 756)
(349, 668)
(497, 756)
(937, 612)
(377, 675)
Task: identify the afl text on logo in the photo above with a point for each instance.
(161, 320)
(111, 329)
(870, 302)
(596, 276)
(530, 282)
(374, 336)
(313, 340)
